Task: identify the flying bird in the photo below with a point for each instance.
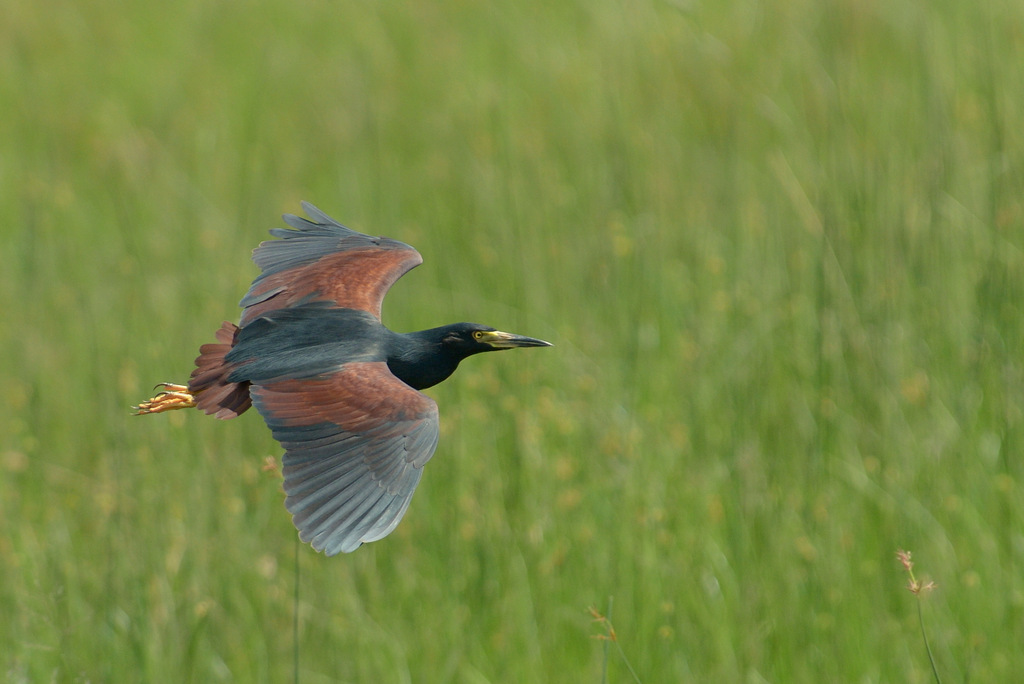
(339, 391)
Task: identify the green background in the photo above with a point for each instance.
(779, 248)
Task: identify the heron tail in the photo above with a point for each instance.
(209, 382)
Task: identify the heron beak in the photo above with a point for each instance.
(504, 340)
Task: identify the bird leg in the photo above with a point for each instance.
(173, 397)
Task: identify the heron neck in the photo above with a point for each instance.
(419, 359)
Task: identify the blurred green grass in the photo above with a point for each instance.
(780, 250)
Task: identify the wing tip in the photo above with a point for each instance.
(316, 216)
(311, 209)
(317, 219)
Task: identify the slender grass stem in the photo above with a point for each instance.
(604, 665)
(916, 587)
(295, 618)
(927, 646)
(611, 635)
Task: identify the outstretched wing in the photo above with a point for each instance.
(322, 260)
(355, 444)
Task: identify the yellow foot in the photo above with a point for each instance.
(173, 397)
